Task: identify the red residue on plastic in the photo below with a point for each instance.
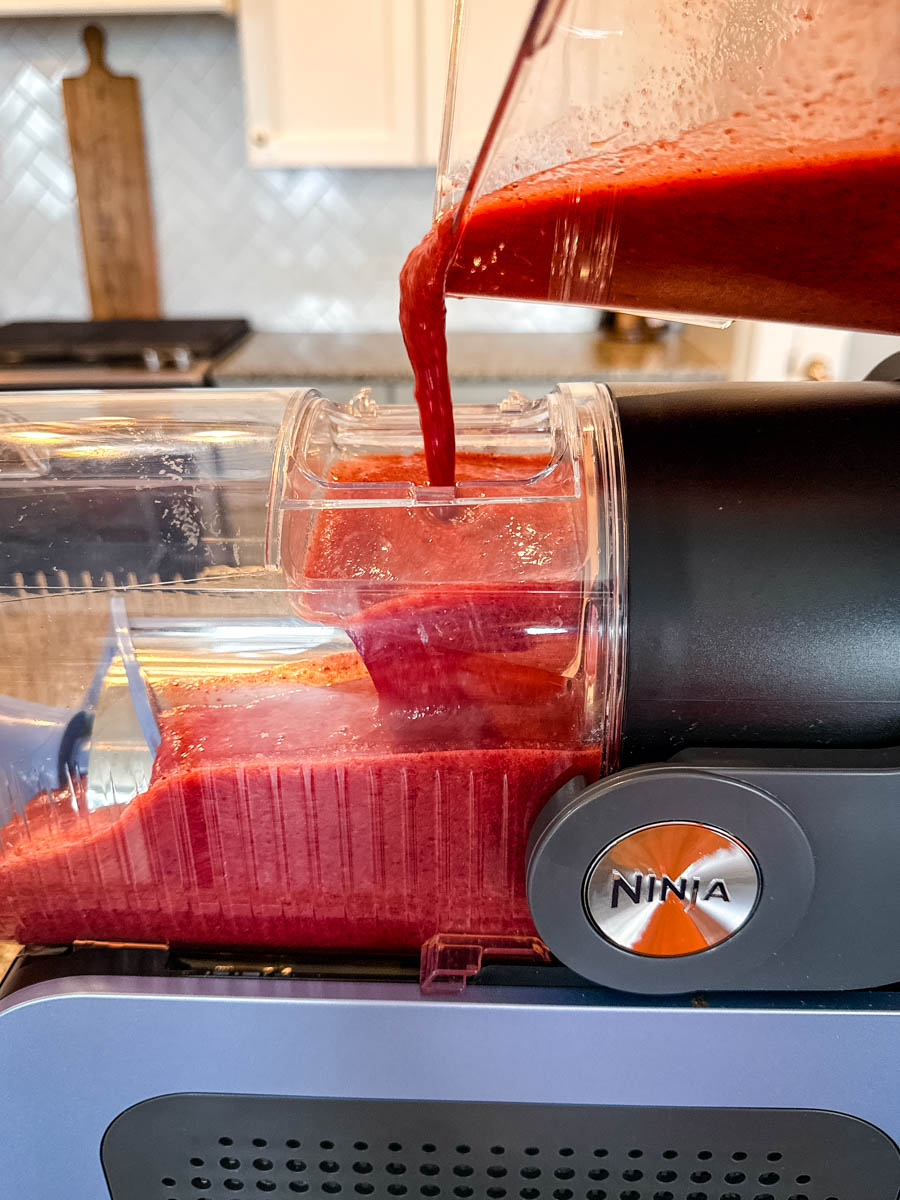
(289, 816)
(300, 808)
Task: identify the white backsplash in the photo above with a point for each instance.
(311, 249)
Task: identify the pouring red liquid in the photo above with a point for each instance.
(667, 228)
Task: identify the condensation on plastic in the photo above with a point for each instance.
(612, 98)
(288, 805)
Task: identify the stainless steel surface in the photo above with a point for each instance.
(672, 889)
(115, 1043)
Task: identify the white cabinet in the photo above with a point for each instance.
(362, 82)
(109, 8)
(330, 83)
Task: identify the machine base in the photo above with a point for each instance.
(85, 1058)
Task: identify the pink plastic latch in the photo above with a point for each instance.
(449, 960)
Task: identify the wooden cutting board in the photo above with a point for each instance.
(106, 137)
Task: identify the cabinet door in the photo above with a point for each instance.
(330, 83)
(494, 31)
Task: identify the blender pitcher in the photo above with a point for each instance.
(724, 158)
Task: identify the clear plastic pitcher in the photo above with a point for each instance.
(731, 158)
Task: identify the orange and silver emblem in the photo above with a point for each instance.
(672, 889)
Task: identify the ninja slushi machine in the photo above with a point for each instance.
(530, 839)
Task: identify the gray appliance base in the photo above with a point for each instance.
(75, 1053)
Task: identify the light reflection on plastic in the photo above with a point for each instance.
(582, 31)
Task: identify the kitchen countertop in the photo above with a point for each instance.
(268, 359)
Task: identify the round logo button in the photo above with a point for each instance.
(672, 889)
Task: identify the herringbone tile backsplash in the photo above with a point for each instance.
(311, 249)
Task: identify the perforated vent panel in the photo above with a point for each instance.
(215, 1147)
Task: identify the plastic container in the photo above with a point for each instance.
(723, 158)
(340, 744)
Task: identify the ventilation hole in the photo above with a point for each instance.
(562, 1194)
(531, 1151)
(699, 1177)
(223, 1141)
(632, 1176)
(396, 1169)
(764, 1196)
(397, 1189)
(463, 1191)
(501, 1150)
(395, 1147)
(463, 1149)
(769, 1177)
(529, 1193)
(632, 1195)
(297, 1186)
(735, 1196)
(362, 1168)
(326, 1145)
(702, 1154)
(598, 1173)
(196, 1162)
(735, 1177)
(635, 1154)
(803, 1179)
(739, 1155)
(266, 1185)
(260, 1142)
(234, 1185)
(331, 1187)
(774, 1156)
(429, 1189)
(230, 1164)
(429, 1148)
(530, 1172)
(328, 1165)
(360, 1145)
(673, 1154)
(429, 1169)
(292, 1144)
(567, 1152)
(496, 1172)
(663, 1196)
(595, 1194)
(201, 1184)
(798, 1196)
(264, 1164)
(671, 1176)
(463, 1169)
(495, 1193)
(697, 1196)
(168, 1181)
(295, 1164)
(564, 1173)
(364, 1189)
